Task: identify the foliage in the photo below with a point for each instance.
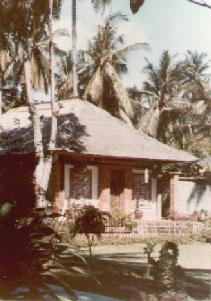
(179, 115)
(90, 221)
(118, 218)
(101, 4)
(150, 246)
(166, 271)
(135, 5)
(32, 241)
(163, 80)
(194, 69)
(107, 60)
(24, 28)
(32, 256)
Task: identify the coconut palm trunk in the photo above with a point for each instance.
(121, 94)
(36, 124)
(44, 161)
(74, 50)
(1, 92)
(94, 91)
(149, 123)
(54, 110)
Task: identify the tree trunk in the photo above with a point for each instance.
(120, 93)
(1, 92)
(54, 108)
(15, 67)
(36, 124)
(44, 163)
(94, 89)
(150, 121)
(90, 239)
(74, 50)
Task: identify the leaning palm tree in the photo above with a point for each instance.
(98, 5)
(107, 57)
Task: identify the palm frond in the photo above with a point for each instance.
(130, 48)
(135, 5)
(100, 5)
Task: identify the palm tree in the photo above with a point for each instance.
(194, 69)
(5, 63)
(7, 55)
(26, 23)
(163, 85)
(136, 4)
(101, 4)
(64, 79)
(163, 80)
(107, 57)
(74, 50)
(98, 5)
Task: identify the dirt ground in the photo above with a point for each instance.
(121, 271)
(191, 256)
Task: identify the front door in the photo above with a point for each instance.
(117, 184)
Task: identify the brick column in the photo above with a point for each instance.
(128, 204)
(104, 188)
(174, 177)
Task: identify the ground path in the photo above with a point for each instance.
(191, 256)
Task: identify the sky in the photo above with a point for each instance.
(174, 25)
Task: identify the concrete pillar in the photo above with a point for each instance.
(174, 178)
(57, 184)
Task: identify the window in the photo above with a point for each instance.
(80, 184)
(141, 191)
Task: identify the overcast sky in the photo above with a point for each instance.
(175, 25)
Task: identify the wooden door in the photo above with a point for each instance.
(117, 183)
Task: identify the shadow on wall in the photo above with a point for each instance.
(197, 192)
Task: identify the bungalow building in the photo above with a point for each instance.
(98, 160)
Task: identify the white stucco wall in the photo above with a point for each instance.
(192, 196)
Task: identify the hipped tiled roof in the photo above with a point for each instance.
(87, 129)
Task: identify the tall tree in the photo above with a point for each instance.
(74, 50)
(163, 83)
(6, 51)
(27, 24)
(98, 5)
(163, 80)
(107, 57)
(194, 74)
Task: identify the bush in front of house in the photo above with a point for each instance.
(118, 218)
(90, 222)
(166, 272)
(28, 250)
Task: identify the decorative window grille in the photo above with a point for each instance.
(80, 184)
